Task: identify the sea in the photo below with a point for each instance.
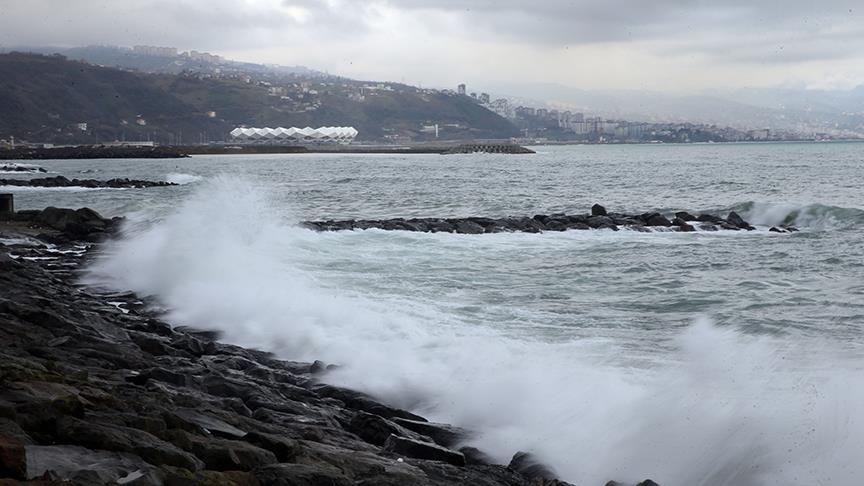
(706, 358)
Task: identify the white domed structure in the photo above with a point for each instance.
(294, 135)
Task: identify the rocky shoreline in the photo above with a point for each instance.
(96, 389)
(60, 181)
(599, 218)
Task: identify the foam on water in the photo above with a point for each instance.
(723, 408)
(811, 216)
(182, 179)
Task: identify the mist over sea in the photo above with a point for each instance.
(727, 358)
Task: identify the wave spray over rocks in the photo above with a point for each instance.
(723, 407)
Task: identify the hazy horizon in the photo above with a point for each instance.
(676, 47)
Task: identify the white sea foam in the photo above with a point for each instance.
(18, 168)
(724, 409)
(182, 179)
(808, 216)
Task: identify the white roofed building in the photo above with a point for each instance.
(306, 135)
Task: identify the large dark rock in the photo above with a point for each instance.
(301, 475)
(423, 450)
(82, 465)
(598, 210)
(529, 466)
(123, 439)
(736, 220)
(655, 219)
(443, 434)
(13, 458)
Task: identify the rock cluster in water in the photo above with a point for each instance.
(20, 168)
(599, 218)
(95, 389)
(60, 181)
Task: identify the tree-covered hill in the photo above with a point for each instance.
(50, 98)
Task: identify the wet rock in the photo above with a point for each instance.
(709, 218)
(423, 450)
(682, 225)
(736, 220)
(79, 464)
(124, 439)
(376, 430)
(301, 475)
(201, 423)
(360, 401)
(708, 227)
(529, 466)
(283, 448)
(13, 458)
(469, 227)
(685, 216)
(223, 454)
(655, 219)
(598, 210)
(648, 482)
(442, 434)
(476, 457)
(599, 222)
(775, 229)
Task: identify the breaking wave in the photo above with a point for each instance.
(182, 179)
(723, 408)
(810, 216)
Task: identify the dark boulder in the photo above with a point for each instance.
(598, 210)
(775, 229)
(655, 219)
(124, 439)
(423, 450)
(529, 466)
(469, 228)
(682, 225)
(13, 458)
(284, 448)
(685, 216)
(376, 430)
(301, 475)
(597, 222)
(443, 434)
(736, 220)
(476, 457)
(709, 218)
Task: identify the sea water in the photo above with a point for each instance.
(691, 358)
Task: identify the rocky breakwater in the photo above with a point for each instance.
(95, 389)
(60, 181)
(598, 218)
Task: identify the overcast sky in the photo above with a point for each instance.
(669, 45)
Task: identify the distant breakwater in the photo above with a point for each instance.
(60, 181)
(598, 218)
(92, 152)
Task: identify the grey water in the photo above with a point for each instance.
(691, 358)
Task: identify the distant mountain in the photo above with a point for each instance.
(51, 98)
(125, 58)
(800, 110)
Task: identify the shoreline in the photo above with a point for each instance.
(96, 389)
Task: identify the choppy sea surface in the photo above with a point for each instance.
(728, 358)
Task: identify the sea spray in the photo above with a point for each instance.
(721, 407)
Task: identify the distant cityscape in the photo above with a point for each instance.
(313, 97)
(552, 125)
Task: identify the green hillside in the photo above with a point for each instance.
(45, 98)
